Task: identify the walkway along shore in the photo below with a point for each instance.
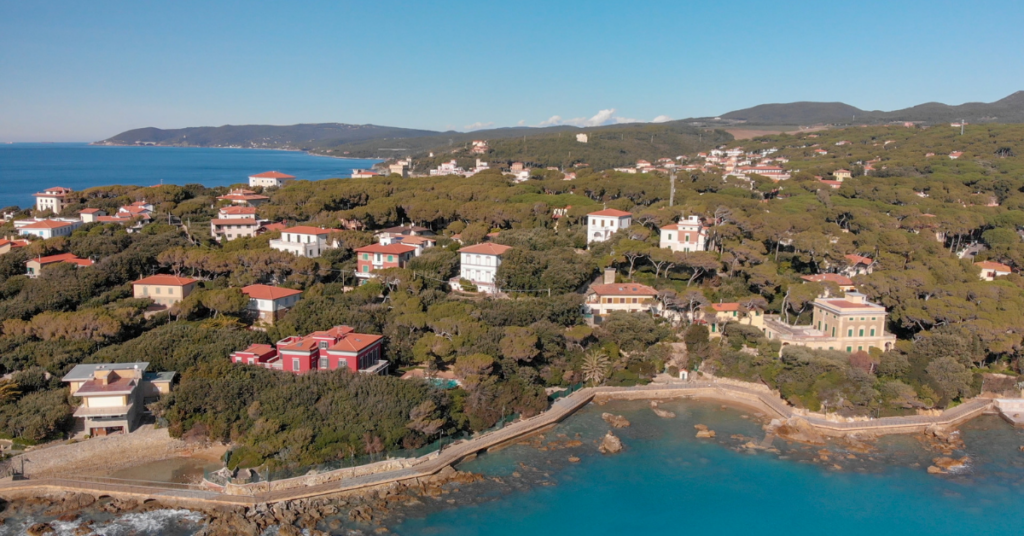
(389, 472)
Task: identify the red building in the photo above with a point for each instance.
(338, 347)
(378, 257)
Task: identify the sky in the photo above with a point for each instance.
(85, 71)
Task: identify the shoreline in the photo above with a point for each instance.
(394, 472)
(98, 144)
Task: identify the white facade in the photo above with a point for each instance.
(47, 228)
(54, 199)
(480, 264)
(582, 138)
(687, 235)
(603, 224)
(302, 241)
(270, 179)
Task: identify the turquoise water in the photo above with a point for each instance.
(669, 482)
(26, 168)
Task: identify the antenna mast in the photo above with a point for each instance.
(672, 189)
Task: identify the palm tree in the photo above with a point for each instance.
(595, 366)
(9, 391)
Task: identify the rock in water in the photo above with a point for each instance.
(617, 421)
(663, 413)
(573, 459)
(705, 434)
(39, 529)
(610, 444)
(798, 430)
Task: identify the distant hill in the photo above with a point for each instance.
(303, 137)
(1007, 110)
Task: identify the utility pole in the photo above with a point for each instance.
(671, 189)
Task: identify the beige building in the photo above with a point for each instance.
(717, 315)
(234, 222)
(991, 270)
(850, 324)
(165, 290)
(270, 303)
(54, 199)
(114, 396)
(605, 298)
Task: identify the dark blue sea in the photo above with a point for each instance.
(26, 168)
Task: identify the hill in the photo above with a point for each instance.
(1006, 110)
(305, 136)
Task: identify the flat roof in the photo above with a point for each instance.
(87, 371)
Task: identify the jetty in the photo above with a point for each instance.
(390, 472)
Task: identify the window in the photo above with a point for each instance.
(366, 256)
(324, 363)
(833, 332)
(668, 236)
(295, 364)
(687, 238)
(849, 332)
(872, 332)
(391, 258)
(713, 326)
(849, 349)
(323, 345)
(634, 300)
(861, 334)
(366, 268)
(158, 290)
(819, 325)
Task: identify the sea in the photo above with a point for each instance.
(27, 168)
(667, 481)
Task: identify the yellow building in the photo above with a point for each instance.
(165, 290)
(850, 324)
(717, 315)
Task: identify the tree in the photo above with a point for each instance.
(950, 377)
(519, 344)
(595, 366)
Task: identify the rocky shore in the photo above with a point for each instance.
(351, 512)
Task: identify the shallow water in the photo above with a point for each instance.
(179, 470)
(669, 482)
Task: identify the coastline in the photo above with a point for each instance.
(98, 144)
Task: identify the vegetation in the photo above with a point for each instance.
(921, 218)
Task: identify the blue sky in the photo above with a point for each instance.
(82, 71)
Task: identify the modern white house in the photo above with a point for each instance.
(990, 270)
(687, 235)
(47, 228)
(303, 241)
(601, 225)
(479, 264)
(114, 395)
(270, 179)
(270, 303)
(55, 199)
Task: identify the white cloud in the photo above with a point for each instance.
(522, 122)
(603, 117)
(478, 125)
(661, 119)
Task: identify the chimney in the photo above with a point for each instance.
(854, 297)
(609, 276)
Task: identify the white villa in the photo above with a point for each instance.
(687, 235)
(601, 225)
(54, 199)
(270, 179)
(479, 264)
(303, 241)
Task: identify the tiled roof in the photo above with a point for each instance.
(394, 249)
(726, 307)
(267, 292)
(63, 257)
(238, 210)
(990, 265)
(487, 248)
(857, 259)
(47, 224)
(623, 289)
(165, 280)
(355, 342)
(610, 212)
(272, 175)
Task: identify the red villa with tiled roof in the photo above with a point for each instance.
(338, 347)
(378, 257)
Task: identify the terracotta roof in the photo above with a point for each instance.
(857, 259)
(623, 289)
(259, 349)
(279, 226)
(416, 240)
(841, 280)
(272, 175)
(396, 249)
(112, 219)
(47, 224)
(56, 191)
(238, 210)
(355, 342)
(726, 307)
(13, 243)
(120, 385)
(166, 280)
(89, 211)
(990, 265)
(610, 212)
(306, 229)
(487, 248)
(235, 221)
(63, 257)
(268, 292)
